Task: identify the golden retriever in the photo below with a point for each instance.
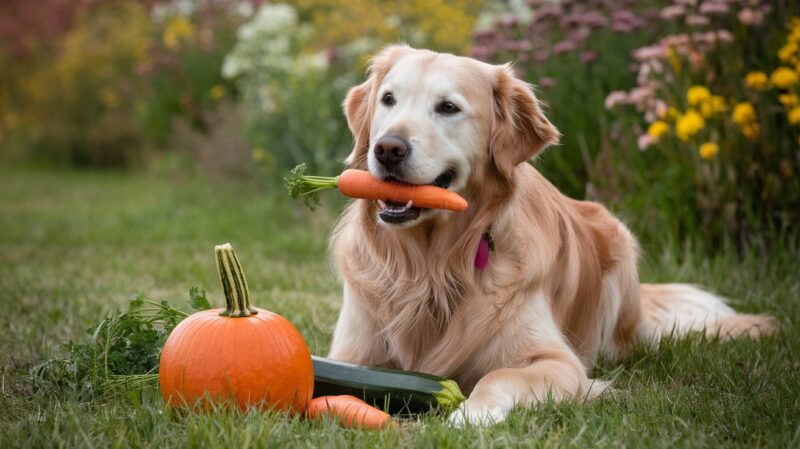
(561, 285)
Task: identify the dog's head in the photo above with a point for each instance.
(429, 118)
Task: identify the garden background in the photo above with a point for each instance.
(135, 135)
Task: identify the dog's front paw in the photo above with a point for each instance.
(477, 414)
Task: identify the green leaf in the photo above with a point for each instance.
(198, 300)
(136, 301)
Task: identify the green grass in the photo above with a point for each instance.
(75, 245)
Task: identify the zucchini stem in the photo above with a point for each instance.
(234, 285)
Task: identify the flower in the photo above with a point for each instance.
(783, 78)
(756, 80)
(216, 92)
(743, 114)
(794, 115)
(674, 58)
(657, 129)
(258, 154)
(697, 20)
(749, 16)
(697, 94)
(708, 150)
(689, 124)
(788, 100)
(177, 31)
(672, 113)
(718, 104)
(714, 8)
(714, 105)
(615, 98)
(645, 141)
(751, 131)
(788, 53)
(672, 12)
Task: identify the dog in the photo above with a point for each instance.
(560, 287)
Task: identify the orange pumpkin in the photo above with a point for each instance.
(240, 354)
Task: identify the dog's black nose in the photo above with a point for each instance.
(391, 150)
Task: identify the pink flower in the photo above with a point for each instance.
(751, 17)
(672, 12)
(696, 20)
(650, 52)
(578, 36)
(616, 98)
(563, 47)
(724, 36)
(542, 55)
(594, 19)
(588, 56)
(639, 95)
(645, 140)
(622, 27)
(546, 82)
(627, 17)
(714, 8)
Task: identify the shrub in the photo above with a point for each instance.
(293, 67)
(717, 98)
(697, 146)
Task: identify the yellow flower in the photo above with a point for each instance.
(697, 94)
(794, 115)
(658, 129)
(743, 114)
(217, 92)
(689, 124)
(259, 154)
(674, 59)
(718, 104)
(109, 97)
(706, 109)
(708, 150)
(712, 106)
(178, 30)
(788, 100)
(787, 53)
(669, 114)
(756, 80)
(783, 77)
(751, 131)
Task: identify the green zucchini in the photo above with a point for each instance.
(398, 392)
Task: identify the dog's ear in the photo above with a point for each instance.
(358, 112)
(360, 102)
(520, 130)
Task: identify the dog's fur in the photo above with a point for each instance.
(561, 286)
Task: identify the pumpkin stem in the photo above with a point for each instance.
(234, 285)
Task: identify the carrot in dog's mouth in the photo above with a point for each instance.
(396, 212)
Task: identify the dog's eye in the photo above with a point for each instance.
(388, 99)
(447, 107)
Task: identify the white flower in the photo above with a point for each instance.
(316, 63)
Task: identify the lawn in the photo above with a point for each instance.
(75, 246)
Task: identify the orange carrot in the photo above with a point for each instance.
(361, 184)
(350, 411)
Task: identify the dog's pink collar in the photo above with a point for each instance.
(485, 246)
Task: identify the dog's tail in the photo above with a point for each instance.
(677, 309)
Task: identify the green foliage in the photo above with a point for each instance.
(299, 184)
(119, 352)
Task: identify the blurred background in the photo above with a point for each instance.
(137, 134)
(681, 115)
